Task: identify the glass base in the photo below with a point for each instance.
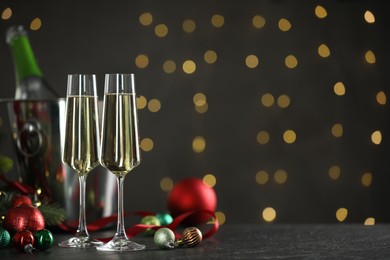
(80, 242)
(121, 244)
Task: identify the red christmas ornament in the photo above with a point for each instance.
(23, 238)
(21, 200)
(191, 194)
(23, 217)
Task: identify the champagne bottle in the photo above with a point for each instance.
(30, 82)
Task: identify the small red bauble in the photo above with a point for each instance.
(22, 239)
(191, 194)
(24, 217)
(21, 200)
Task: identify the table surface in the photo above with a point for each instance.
(242, 241)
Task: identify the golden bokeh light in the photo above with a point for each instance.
(369, 17)
(141, 102)
(267, 100)
(189, 26)
(161, 30)
(283, 101)
(334, 172)
(154, 105)
(166, 184)
(199, 99)
(210, 56)
(6, 14)
(337, 130)
(217, 20)
(258, 21)
(209, 180)
(369, 222)
(36, 24)
(323, 51)
(199, 144)
(189, 66)
(381, 98)
(263, 137)
(376, 137)
(367, 179)
(169, 66)
(269, 214)
(370, 57)
(284, 25)
(251, 61)
(341, 214)
(146, 144)
(289, 136)
(280, 176)
(221, 217)
(320, 12)
(339, 89)
(146, 19)
(291, 61)
(262, 177)
(141, 61)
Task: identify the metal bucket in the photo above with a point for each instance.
(32, 134)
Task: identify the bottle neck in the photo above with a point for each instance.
(24, 59)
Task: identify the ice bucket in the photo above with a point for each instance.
(32, 134)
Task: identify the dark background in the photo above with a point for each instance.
(107, 36)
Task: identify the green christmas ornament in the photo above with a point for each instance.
(165, 218)
(5, 238)
(43, 239)
(150, 220)
(164, 238)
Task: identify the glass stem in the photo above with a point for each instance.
(120, 229)
(82, 228)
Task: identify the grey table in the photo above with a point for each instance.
(273, 241)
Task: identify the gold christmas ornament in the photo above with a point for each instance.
(192, 236)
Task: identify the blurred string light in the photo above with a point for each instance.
(189, 26)
(141, 102)
(370, 57)
(280, 176)
(262, 177)
(161, 30)
(142, 61)
(369, 17)
(337, 130)
(323, 50)
(291, 62)
(199, 144)
(221, 217)
(189, 66)
(146, 19)
(381, 98)
(146, 144)
(209, 180)
(369, 222)
(258, 21)
(166, 184)
(366, 179)
(269, 214)
(35, 24)
(210, 57)
(267, 100)
(284, 25)
(251, 61)
(283, 101)
(263, 137)
(289, 136)
(339, 89)
(320, 12)
(334, 172)
(217, 20)
(341, 214)
(169, 66)
(154, 105)
(376, 137)
(6, 14)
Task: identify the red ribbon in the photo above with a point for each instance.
(138, 228)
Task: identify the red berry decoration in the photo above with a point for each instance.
(21, 200)
(191, 194)
(22, 239)
(23, 217)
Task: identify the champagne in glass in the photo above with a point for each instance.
(81, 146)
(120, 151)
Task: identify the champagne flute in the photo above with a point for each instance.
(120, 151)
(81, 144)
